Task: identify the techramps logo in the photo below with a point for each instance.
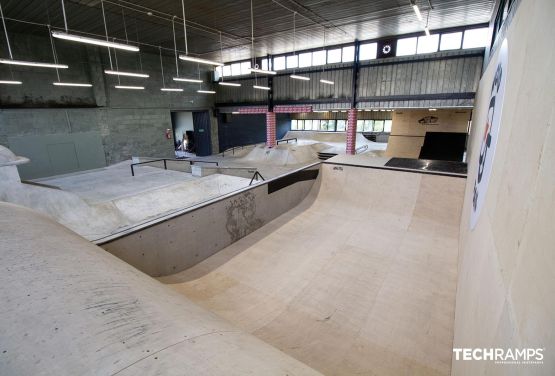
(516, 356)
(491, 134)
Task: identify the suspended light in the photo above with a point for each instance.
(297, 77)
(192, 80)
(235, 112)
(417, 11)
(262, 71)
(129, 87)
(427, 31)
(170, 89)
(71, 84)
(199, 60)
(327, 82)
(33, 64)
(320, 111)
(229, 84)
(260, 87)
(9, 82)
(206, 91)
(129, 74)
(96, 42)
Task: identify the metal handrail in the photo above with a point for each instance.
(256, 175)
(361, 148)
(237, 147)
(286, 140)
(191, 162)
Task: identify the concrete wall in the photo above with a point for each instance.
(407, 134)
(506, 288)
(184, 239)
(130, 123)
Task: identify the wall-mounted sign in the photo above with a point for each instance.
(429, 120)
(386, 48)
(491, 134)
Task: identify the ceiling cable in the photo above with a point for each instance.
(54, 52)
(6, 32)
(162, 68)
(124, 25)
(175, 48)
(184, 27)
(106, 31)
(64, 13)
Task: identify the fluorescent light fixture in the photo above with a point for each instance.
(261, 71)
(417, 11)
(369, 110)
(71, 84)
(432, 109)
(129, 87)
(199, 60)
(427, 31)
(327, 82)
(343, 110)
(97, 42)
(228, 84)
(129, 74)
(206, 91)
(32, 64)
(187, 80)
(235, 112)
(297, 77)
(261, 87)
(334, 111)
(8, 82)
(320, 111)
(170, 89)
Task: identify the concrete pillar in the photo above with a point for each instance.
(270, 129)
(351, 131)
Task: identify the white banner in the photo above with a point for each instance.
(491, 134)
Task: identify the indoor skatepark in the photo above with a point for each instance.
(372, 217)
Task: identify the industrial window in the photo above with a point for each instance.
(227, 70)
(360, 125)
(279, 63)
(300, 125)
(218, 73)
(341, 125)
(292, 61)
(348, 54)
(428, 44)
(334, 56)
(406, 46)
(315, 125)
(264, 64)
(245, 66)
(451, 41)
(293, 125)
(378, 125)
(367, 51)
(387, 126)
(475, 38)
(319, 57)
(305, 60)
(236, 69)
(368, 124)
(323, 125)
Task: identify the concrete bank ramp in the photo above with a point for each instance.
(70, 308)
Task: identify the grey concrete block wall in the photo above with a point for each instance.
(131, 123)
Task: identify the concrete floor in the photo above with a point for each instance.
(360, 278)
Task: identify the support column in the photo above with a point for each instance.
(270, 129)
(351, 131)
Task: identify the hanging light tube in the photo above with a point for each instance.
(262, 71)
(297, 77)
(427, 31)
(192, 80)
(328, 82)
(206, 91)
(129, 87)
(417, 11)
(33, 64)
(129, 74)
(229, 84)
(260, 87)
(71, 84)
(96, 42)
(199, 60)
(10, 82)
(170, 89)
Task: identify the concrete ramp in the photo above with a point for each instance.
(358, 279)
(70, 308)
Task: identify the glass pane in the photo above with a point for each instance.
(341, 125)
(387, 126)
(293, 125)
(475, 38)
(305, 60)
(315, 125)
(406, 46)
(300, 125)
(368, 51)
(427, 44)
(378, 125)
(292, 61)
(264, 64)
(368, 125)
(451, 41)
(319, 57)
(227, 70)
(323, 125)
(331, 125)
(360, 125)
(236, 69)
(334, 56)
(218, 73)
(279, 63)
(245, 66)
(348, 54)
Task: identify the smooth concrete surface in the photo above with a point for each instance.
(70, 308)
(182, 239)
(506, 287)
(336, 141)
(359, 279)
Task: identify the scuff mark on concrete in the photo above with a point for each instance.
(241, 216)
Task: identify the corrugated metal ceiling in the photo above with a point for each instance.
(345, 20)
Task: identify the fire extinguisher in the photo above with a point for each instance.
(169, 134)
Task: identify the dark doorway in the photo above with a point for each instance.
(443, 146)
(201, 124)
